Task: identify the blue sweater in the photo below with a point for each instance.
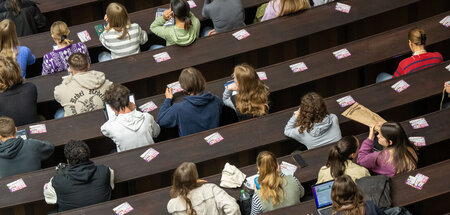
(194, 114)
(24, 58)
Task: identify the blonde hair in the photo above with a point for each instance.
(183, 181)
(118, 19)
(417, 36)
(292, 6)
(9, 73)
(60, 31)
(252, 97)
(8, 39)
(270, 181)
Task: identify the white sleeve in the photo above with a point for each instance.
(226, 97)
(225, 202)
(155, 127)
(111, 178)
(50, 193)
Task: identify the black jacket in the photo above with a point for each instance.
(20, 103)
(28, 21)
(20, 156)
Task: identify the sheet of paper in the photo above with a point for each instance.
(343, 53)
(213, 138)
(239, 35)
(99, 29)
(400, 86)
(417, 141)
(176, 87)
(164, 56)
(160, 12)
(84, 36)
(16, 185)
(148, 107)
(22, 133)
(447, 67)
(298, 67)
(288, 168)
(38, 129)
(150, 154)
(419, 123)
(191, 4)
(250, 181)
(123, 208)
(262, 75)
(445, 21)
(345, 101)
(343, 7)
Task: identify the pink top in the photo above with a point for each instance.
(367, 157)
(272, 10)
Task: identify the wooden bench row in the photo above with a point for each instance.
(280, 76)
(156, 201)
(141, 66)
(238, 137)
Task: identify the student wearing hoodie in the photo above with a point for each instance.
(312, 125)
(83, 90)
(199, 111)
(18, 155)
(80, 182)
(130, 128)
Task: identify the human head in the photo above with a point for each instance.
(269, 180)
(417, 39)
(9, 73)
(118, 18)
(253, 93)
(7, 127)
(192, 81)
(292, 6)
(181, 10)
(76, 152)
(118, 97)
(60, 32)
(183, 181)
(78, 62)
(8, 39)
(393, 137)
(312, 110)
(345, 149)
(346, 196)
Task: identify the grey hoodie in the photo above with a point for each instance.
(20, 156)
(131, 130)
(322, 133)
(82, 92)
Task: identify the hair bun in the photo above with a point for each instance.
(423, 39)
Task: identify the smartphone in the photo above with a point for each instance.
(228, 83)
(256, 183)
(299, 160)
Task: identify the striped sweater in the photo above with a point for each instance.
(126, 46)
(418, 62)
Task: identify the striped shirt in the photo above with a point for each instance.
(126, 46)
(418, 62)
(256, 202)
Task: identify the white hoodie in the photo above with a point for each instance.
(131, 130)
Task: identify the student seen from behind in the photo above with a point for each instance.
(18, 155)
(277, 8)
(25, 14)
(129, 128)
(226, 15)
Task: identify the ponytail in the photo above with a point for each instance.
(187, 23)
(182, 11)
(339, 154)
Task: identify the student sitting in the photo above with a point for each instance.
(277, 8)
(18, 155)
(131, 128)
(80, 182)
(199, 111)
(56, 60)
(120, 36)
(191, 195)
(83, 90)
(276, 190)
(398, 156)
(347, 199)
(420, 59)
(312, 125)
(340, 161)
(186, 29)
(10, 46)
(225, 15)
(252, 95)
(18, 100)
(25, 14)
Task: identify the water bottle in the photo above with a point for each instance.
(244, 195)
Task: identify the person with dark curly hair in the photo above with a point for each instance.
(312, 125)
(79, 182)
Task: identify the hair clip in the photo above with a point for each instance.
(63, 37)
(423, 39)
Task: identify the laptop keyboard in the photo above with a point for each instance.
(326, 211)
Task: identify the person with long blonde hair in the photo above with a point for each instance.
(56, 60)
(25, 14)
(311, 124)
(276, 189)
(277, 8)
(9, 46)
(121, 37)
(347, 199)
(193, 196)
(251, 97)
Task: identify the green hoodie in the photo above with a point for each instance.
(174, 35)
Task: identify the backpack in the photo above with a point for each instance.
(377, 189)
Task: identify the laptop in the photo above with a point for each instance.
(322, 197)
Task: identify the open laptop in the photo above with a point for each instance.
(322, 197)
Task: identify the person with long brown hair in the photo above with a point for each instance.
(277, 8)
(56, 60)
(252, 98)
(311, 124)
(9, 46)
(193, 196)
(276, 189)
(398, 156)
(347, 199)
(340, 161)
(25, 14)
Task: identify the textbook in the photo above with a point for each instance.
(160, 12)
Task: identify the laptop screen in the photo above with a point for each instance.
(322, 194)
